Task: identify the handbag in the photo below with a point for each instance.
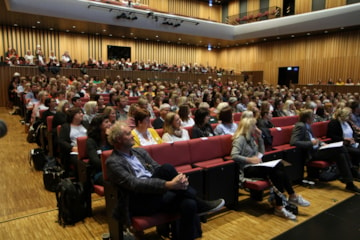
(288, 206)
(52, 177)
(37, 157)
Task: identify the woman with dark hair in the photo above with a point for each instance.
(100, 103)
(143, 134)
(112, 98)
(227, 125)
(110, 113)
(185, 115)
(51, 111)
(202, 128)
(95, 144)
(172, 129)
(67, 139)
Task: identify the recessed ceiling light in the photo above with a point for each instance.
(277, 38)
(38, 22)
(51, 29)
(156, 36)
(67, 30)
(104, 30)
(308, 34)
(110, 35)
(292, 36)
(326, 31)
(15, 25)
(123, 36)
(96, 33)
(33, 26)
(73, 26)
(265, 39)
(342, 28)
(82, 32)
(179, 39)
(131, 33)
(135, 37)
(147, 39)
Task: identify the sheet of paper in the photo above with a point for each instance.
(271, 164)
(332, 145)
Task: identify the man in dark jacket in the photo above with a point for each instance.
(150, 188)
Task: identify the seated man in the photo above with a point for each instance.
(159, 121)
(150, 188)
(303, 138)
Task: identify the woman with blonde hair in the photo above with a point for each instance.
(173, 131)
(90, 112)
(247, 152)
(341, 129)
(289, 108)
(110, 113)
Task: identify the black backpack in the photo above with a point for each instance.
(71, 202)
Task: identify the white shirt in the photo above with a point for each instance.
(172, 138)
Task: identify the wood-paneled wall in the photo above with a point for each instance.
(319, 57)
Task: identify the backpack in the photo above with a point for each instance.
(34, 134)
(71, 202)
(37, 157)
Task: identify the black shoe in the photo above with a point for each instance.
(351, 187)
(205, 207)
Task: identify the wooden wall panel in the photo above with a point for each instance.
(253, 5)
(303, 6)
(233, 7)
(161, 5)
(334, 3)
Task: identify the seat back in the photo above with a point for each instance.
(202, 149)
(319, 129)
(81, 144)
(49, 120)
(41, 112)
(176, 153)
(189, 129)
(160, 131)
(281, 135)
(284, 121)
(104, 156)
(226, 144)
(237, 116)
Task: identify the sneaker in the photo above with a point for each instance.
(300, 201)
(284, 213)
(205, 207)
(352, 188)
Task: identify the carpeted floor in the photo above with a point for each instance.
(339, 222)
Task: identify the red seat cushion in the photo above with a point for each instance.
(99, 190)
(257, 185)
(318, 164)
(141, 223)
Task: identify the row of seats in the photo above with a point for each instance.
(208, 171)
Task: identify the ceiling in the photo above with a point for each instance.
(91, 17)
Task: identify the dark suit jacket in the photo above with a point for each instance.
(300, 137)
(158, 123)
(122, 175)
(335, 132)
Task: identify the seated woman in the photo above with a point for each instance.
(246, 152)
(143, 134)
(67, 140)
(185, 116)
(100, 102)
(90, 112)
(95, 144)
(227, 125)
(110, 113)
(264, 124)
(340, 129)
(202, 128)
(130, 116)
(173, 131)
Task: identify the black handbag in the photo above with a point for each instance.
(52, 177)
(37, 158)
